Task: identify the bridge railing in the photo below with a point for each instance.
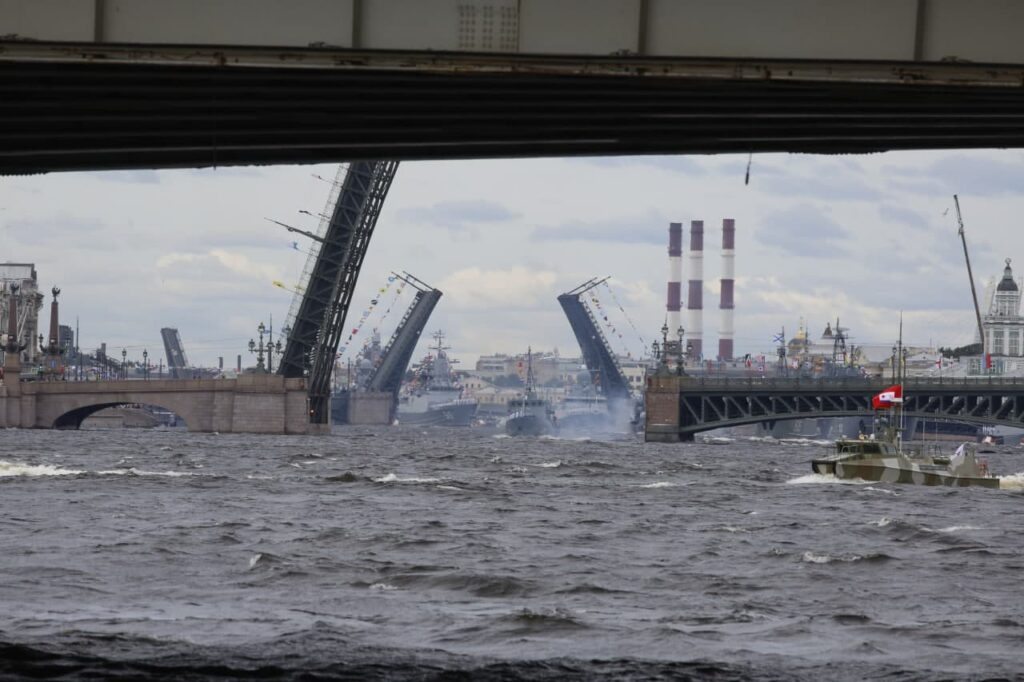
(825, 383)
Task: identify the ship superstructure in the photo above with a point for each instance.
(379, 371)
(433, 396)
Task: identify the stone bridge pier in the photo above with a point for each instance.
(252, 403)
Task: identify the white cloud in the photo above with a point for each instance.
(476, 288)
(818, 237)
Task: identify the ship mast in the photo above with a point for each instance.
(899, 409)
(974, 293)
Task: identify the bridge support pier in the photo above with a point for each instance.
(661, 406)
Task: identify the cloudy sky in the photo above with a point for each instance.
(859, 237)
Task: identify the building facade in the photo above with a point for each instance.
(30, 302)
(1003, 324)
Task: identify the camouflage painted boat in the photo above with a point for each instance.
(887, 462)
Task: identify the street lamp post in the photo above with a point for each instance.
(145, 364)
(259, 348)
(679, 352)
(124, 363)
(664, 345)
(274, 347)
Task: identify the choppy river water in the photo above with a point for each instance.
(458, 554)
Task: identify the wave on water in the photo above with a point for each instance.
(815, 558)
(530, 621)
(660, 484)
(550, 465)
(9, 469)
(132, 471)
(392, 478)
(957, 529)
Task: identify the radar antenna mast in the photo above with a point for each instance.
(974, 292)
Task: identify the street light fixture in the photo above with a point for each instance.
(124, 363)
(679, 352)
(259, 348)
(145, 364)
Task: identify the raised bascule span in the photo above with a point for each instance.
(395, 358)
(317, 319)
(177, 363)
(597, 354)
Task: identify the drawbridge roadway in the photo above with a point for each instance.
(680, 407)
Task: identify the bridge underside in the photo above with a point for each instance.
(73, 419)
(78, 107)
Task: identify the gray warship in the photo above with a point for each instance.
(433, 398)
(529, 414)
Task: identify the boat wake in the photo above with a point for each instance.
(826, 478)
(1012, 481)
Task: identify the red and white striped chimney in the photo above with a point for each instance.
(725, 334)
(695, 300)
(675, 275)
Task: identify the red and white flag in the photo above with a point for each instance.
(887, 398)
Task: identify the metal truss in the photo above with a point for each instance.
(712, 404)
(320, 320)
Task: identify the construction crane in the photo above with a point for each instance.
(970, 276)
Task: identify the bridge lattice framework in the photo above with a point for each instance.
(681, 407)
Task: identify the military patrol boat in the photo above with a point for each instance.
(888, 460)
(529, 415)
(885, 461)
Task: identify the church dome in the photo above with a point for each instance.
(1007, 283)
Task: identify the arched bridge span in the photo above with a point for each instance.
(679, 407)
(258, 403)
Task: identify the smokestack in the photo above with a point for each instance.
(675, 275)
(695, 300)
(725, 334)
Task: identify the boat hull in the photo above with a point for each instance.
(885, 472)
(528, 425)
(451, 414)
(895, 470)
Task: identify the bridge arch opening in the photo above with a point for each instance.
(143, 415)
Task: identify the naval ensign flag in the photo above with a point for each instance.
(887, 398)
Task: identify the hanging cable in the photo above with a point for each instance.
(374, 302)
(615, 299)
